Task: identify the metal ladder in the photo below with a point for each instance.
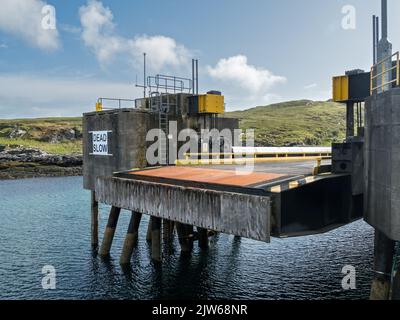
(163, 143)
(162, 104)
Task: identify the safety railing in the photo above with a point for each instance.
(120, 102)
(255, 155)
(384, 77)
(201, 159)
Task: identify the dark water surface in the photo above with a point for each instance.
(47, 222)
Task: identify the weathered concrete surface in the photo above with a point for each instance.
(382, 163)
(384, 250)
(127, 139)
(242, 215)
(127, 142)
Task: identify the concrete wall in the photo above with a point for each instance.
(127, 142)
(127, 139)
(382, 163)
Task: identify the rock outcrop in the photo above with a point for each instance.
(22, 163)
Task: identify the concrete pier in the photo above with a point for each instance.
(110, 231)
(185, 236)
(131, 238)
(396, 285)
(94, 221)
(383, 263)
(168, 230)
(156, 250)
(148, 234)
(203, 238)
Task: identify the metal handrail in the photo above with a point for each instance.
(256, 155)
(245, 161)
(384, 72)
(100, 101)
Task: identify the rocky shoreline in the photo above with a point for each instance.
(23, 163)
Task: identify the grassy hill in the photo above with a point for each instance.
(300, 122)
(290, 123)
(53, 135)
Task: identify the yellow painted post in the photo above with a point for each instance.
(99, 106)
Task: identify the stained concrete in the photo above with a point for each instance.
(236, 214)
(127, 138)
(382, 163)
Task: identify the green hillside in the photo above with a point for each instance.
(53, 135)
(285, 124)
(300, 122)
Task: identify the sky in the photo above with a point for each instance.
(58, 56)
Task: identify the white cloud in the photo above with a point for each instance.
(236, 71)
(99, 35)
(41, 96)
(70, 28)
(3, 46)
(161, 50)
(244, 85)
(310, 86)
(23, 18)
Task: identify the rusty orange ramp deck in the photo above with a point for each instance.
(210, 176)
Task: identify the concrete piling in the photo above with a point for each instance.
(148, 235)
(396, 275)
(94, 221)
(185, 235)
(167, 230)
(396, 285)
(131, 238)
(203, 238)
(110, 231)
(156, 253)
(383, 264)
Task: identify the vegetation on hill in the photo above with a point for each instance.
(295, 123)
(291, 123)
(52, 135)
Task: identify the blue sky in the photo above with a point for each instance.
(256, 51)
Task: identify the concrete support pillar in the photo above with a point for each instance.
(396, 280)
(185, 235)
(168, 230)
(396, 285)
(203, 238)
(383, 263)
(148, 235)
(156, 253)
(110, 231)
(350, 119)
(94, 210)
(131, 238)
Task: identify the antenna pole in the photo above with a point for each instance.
(144, 75)
(384, 20)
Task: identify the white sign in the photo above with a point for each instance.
(100, 143)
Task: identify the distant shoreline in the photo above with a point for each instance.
(24, 163)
